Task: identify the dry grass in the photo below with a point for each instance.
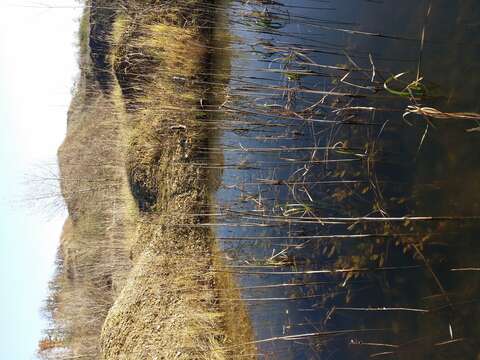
(437, 114)
(168, 308)
(94, 249)
(129, 283)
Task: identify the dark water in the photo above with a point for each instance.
(353, 229)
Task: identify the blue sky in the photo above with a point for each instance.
(37, 71)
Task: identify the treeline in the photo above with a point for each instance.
(92, 258)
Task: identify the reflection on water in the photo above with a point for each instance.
(352, 226)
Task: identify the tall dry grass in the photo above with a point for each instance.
(120, 290)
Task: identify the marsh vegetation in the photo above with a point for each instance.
(272, 180)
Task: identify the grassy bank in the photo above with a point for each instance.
(136, 278)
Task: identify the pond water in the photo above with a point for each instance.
(350, 224)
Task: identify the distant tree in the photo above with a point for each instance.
(49, 348)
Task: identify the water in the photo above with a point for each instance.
(352, 227)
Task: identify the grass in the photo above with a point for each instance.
(93, 252)
(310, 166)
(84, 32)
(129, 285)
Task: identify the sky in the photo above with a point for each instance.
(38, 67)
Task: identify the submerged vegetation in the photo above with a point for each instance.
(240, 186)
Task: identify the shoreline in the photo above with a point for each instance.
(141, 128)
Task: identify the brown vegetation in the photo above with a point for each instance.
(132, 280)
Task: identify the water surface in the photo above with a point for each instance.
(352, 227)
